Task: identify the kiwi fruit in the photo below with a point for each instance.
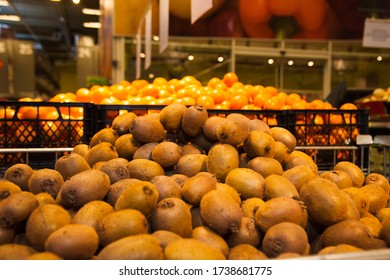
(247, 233)
(45, 198)
(257, 124)
(180, 179)
(116, 169)
(192, 164)
(246, 252)
(285, 136)
(352, 232)
(119, 224)
(220, 212)
(166, 187)
(116, 190)
(84, 187)
(171, 116)
(234, 129)
(166, 154)
(19, 174)
(73, 242)
(280, 209)
(230, 191)
(107, 134)
(377, 197)
(191, 249)
(195, 217)
(339, 177)
(383, 214)
(46, 180)
(359, 198)
(7, 188)
(147, 128)
(208, 236)
(80, 149)
(379, 179)
(144, 169)
(373, 224)
(299, 175)
(352, 210)
(265, 166)
(102, 151)
(288, 255)
(197, 186)
(133, 247)
(44, 256)
(298, 158)
(193, 120)
(142, 196)
(172, 214)
(324, 201)
(42, 222)
(354, 172)
(16, 208)
(259, 144)
(282, 153)
(339, 249)
(249, 206)
(385, 231)
(211, 126)
(92, 213)
(121, 123)
(145, 151)
(12, 251)
(6, 235)
(126, 146)
(189, 148)
(277, 185)
(71, 164)
(222, 158)
(285, 237)
(247, 182)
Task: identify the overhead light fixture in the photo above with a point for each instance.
(290, 62)
(379, 58)
(76, 1)
(4, 3)
(142, 55)
(271, 61)
(310, 63)
(220, 59)
(190, 57)
(93, 12)
(55, 0)
(10, 17)
(156, 38)
(92, 24)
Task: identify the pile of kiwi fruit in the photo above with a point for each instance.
(184, 184)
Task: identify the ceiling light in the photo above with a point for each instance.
(220, 59)
(10, 17)
(310, 63)
(156, 38)
(92, 24)
(290, 62)
(190, 57)
(94, 12)
(270, 61)
(4, 3)
(55, 0)
(142, 55)
(379, 58)
(76, 1)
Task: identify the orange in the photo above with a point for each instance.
(273, 103)
(100, 93)
(140, 83)
(272, 90)
(119, 91)
(6, 113)
(299, 105)
(150, 90)
(230, 78)
(159, 81)
(213, 82)
(218, 95)
(292, 98)
(238, 101)
(84, 95)
(317, 104)
(206, 101)
(348, 106)
(260, 99)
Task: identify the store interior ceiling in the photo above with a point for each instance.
(54, 25)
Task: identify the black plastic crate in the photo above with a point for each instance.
(327, 127)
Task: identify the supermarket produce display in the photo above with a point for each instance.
(182, 182)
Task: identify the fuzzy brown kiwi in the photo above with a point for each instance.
(385, 231)
(81, 149)
(339, 249)
(46, 180)
(285, 237)
(145, 151)
(193, 120)
(43, 221)
(122, 122)
(192, 164)
(282, 153)
(247, 233)
(249, 206)
(359, 198)
(180, 179)
(117, 188)
(230, 191)
(102, 151)
(133, 247)
(197, 186)
(165, 237)
(166, 187)
(234, 129)
(16, 208)
(247, 182)
(191, 249)
(19, 174)
(147, 128)
(45, 198)
(285, 136)
(44, 256)
(172, 214)
(142, 196)
(257, 124)
(13, 251)
(166, 154)
(339, 177)
(71, 164)
(211, 126)
(6, 235)
(84, 187)
(377, 197)
(222, 158)
(277, 185)
(171, 116)
(246, 252)
(73, 242)
(106, 134)
(259, 143)
(299, 175)
(189, 148)
(119, 224)
(116, 169)
(126, 146)
(92, 213)
(220, 212)
(383, 214)
(210, 237)
(7, 188)
(373, 224)
(379, 179)
(144, 169)
(298, 158)
(354, 171)
(265, 166)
